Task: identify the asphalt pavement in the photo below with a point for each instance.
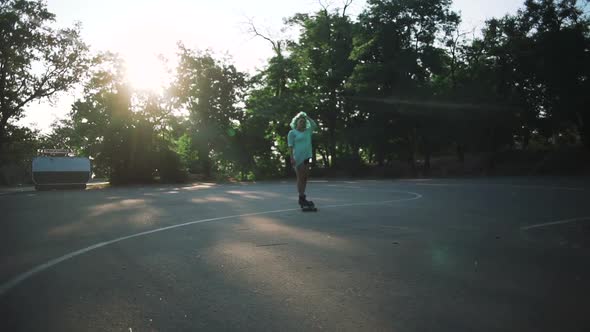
(495, 254)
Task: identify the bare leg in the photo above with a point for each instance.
(305, 173)
(300, 177)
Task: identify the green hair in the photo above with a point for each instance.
(297, 117)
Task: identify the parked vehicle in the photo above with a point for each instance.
(59, 168)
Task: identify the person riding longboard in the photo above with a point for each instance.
(299, 141)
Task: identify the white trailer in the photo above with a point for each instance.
(58, 169)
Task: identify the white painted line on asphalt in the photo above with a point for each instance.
(24, 276)
(341, 186)
(20, 278)
(498, 185)
(545, 187)
(416, 196)
(559, 222)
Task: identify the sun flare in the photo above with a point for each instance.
(146, 72)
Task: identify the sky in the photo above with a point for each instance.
(140, 30)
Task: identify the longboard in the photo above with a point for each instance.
(309, 209)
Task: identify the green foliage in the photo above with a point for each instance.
(170, 167)
(212, 92)
(400, 84)
(36, 60)
(16, 156)
(324, 54)
(184, 149)
(126, 133)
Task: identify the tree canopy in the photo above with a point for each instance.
(400, 83)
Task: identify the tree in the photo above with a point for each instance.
(560, 35)
(399, 51)
(535, 62)
(130, 135)
(36, 60)
(212, 92)
(323, 52)
(276, 95)
(15, 160)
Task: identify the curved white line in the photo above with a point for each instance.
(24, 276)
(523, 186)
(565, 221)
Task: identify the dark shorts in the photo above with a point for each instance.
(305, 162)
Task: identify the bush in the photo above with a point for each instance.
(170, 167)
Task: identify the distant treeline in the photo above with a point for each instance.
(400, 83)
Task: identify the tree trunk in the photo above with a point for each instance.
(380, 155)
(332, 148)
(3, 123)
(412, 162)
(205, 162)
(461, 157)
(356, 154)
(288, 167)
(332, 114)
(412, 148)
(460, 153)
(492, 157)
(427, 162)
(584, 130)
(585, 136)
(526, 138)
(324, 158)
